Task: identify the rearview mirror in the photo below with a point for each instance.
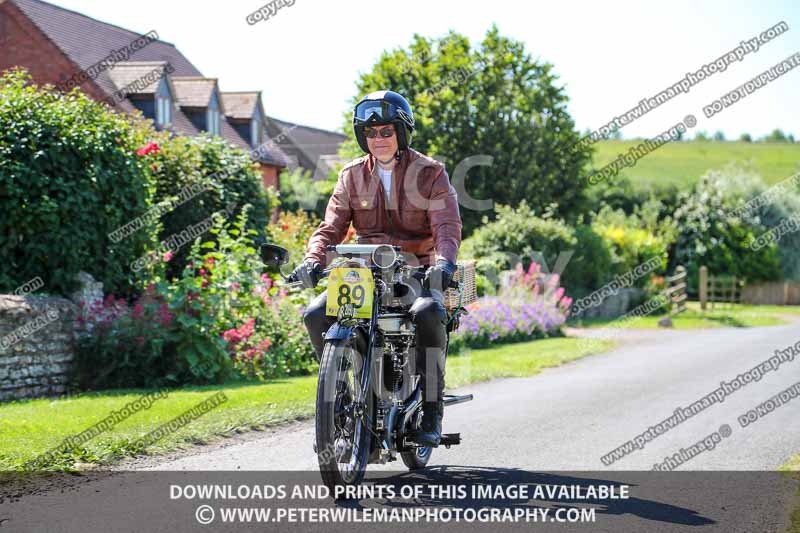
(274, 256)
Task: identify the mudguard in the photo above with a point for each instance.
(338, 331)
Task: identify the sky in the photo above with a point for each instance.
(608, 55)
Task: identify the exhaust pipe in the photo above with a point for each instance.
(453, 400)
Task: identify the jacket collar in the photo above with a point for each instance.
(398, 173)
(401, 165)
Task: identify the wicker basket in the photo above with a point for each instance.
(465, 275)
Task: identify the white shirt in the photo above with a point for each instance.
(386, 179)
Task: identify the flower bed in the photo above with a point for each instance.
(530, 306)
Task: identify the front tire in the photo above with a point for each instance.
(343, 439)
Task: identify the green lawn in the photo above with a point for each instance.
(735, 315)
(28, 428)
(682, 163)
(793, 466)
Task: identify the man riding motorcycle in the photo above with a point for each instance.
(398, 196)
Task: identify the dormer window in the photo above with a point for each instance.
(163, 114)
(163, 104)
(212, 116)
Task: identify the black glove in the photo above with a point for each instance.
(308, 272)
(438, 277)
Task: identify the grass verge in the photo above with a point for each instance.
(733, 315)
(31, 427)
(793, 466)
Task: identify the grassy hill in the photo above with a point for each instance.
(683, 162)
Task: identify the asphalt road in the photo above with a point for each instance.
(549, 429)
(566, 418)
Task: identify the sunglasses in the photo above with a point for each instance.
(371, 133)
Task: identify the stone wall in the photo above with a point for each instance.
(36, 345)
(616, 305)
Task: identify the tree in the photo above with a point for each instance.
(719, 136)
(777, 136)
(701, 136)
(745, 137)
(492, 100)
(710, 234)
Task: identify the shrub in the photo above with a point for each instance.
(69, 176)
(222, 319)
(226, 175)
(258, 330)
(742, 184)
(300, 191)
(631, 242)
(292, 231)
(710, 235)
(519, 235)
(514, 236)
(119, 345)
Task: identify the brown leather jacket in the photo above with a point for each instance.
(421, 216)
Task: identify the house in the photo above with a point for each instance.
(313, 149)
(130, 72)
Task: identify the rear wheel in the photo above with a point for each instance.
(342, 429)
(418, 458)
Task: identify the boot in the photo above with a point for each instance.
(430, 432)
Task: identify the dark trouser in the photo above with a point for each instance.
(429, 317)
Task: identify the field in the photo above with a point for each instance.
(682, 163)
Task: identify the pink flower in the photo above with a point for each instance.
(140, 340)
(210, 261)
(247, 329)
(282, 292)
(150, 147)
(164, 316)
(138, 311)
(167, 257)
(232, 336)
(235, 286)
(264, 345)
(203, 271)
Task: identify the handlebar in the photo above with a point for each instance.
(418, 274)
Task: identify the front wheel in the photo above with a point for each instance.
(342, 425)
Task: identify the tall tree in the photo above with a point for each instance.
(492, 100)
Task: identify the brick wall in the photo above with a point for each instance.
(23, 44)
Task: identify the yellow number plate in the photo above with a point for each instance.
(350, 286)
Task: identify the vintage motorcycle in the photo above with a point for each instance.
(369, 396)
